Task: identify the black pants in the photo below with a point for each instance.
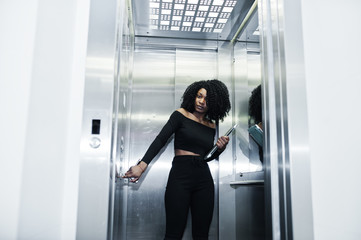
(190, 185)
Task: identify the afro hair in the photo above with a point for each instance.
(217, 98)
(255, 104)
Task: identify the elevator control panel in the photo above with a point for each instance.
(96, 134)
(95, 130)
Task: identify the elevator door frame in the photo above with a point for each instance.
(282, 54)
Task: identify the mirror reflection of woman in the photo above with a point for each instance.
(255, 113)
(190, 184)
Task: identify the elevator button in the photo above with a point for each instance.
(94, 142)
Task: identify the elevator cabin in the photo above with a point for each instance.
(141, 56)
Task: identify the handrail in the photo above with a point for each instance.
(247, 182)
(245, 20)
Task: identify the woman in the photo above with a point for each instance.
(190, 183)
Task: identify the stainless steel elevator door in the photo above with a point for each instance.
(159, 78)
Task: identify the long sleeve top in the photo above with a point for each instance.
(189, 136)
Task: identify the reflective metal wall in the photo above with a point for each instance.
(287, 157)
(247, 75)
(95, 150)
(121, 119)
(249, 175)
(227, 200)
(149, 77)
(152, 101)
(160, 76)
(241, 191)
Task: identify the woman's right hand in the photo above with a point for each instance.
(136, 171)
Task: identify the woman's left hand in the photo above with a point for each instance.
(222, 142)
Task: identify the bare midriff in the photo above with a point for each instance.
(180, 152)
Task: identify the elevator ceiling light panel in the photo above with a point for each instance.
(190, 15)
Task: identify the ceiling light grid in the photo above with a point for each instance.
(190, 15)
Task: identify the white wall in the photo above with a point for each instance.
(332, 52)
(42, 58)
(16, 51)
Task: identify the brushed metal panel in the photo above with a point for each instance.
(247, 70)
(226, 198)
(179, 44)
(152, 103)
(242, 211)
(239, 66)
(250, 212)
(98, 100)
(253, 79)
(297, 162)
(121, 116)
(193, 65)
(270, 148)
(241, 106)
(286, 144)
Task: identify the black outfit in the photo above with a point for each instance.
(190, 183)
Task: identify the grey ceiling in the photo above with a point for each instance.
(142, 27)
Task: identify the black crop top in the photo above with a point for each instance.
(189, 136)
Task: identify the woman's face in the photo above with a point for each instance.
(200, 104)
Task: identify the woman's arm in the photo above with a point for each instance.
(158, 143)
